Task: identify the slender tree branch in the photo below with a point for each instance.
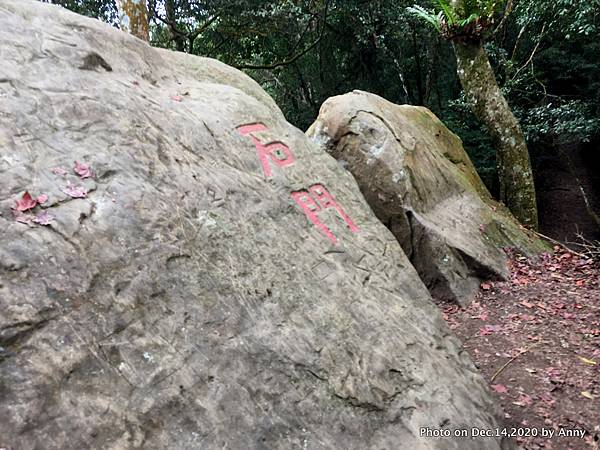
(294, 58)
(201, 29)
(501, 369)
(535, 49)
(507, 11)
(281, 63)
(518, 41)
(176, 33)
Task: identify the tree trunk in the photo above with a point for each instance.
(133, 16)
(517, 190)
(176, 35)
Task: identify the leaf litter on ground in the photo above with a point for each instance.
(543, 324)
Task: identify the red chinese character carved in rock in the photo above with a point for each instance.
(272, 151)
(316, 199)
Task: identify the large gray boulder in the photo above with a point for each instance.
(189, 283)
(420, 182)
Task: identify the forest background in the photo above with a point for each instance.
(545, 55)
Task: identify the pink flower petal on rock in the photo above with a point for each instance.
(44, 219)
(25, 202)
(83, 170)
(42, 199)
(24, 218)
(58, 171)
(75, 191)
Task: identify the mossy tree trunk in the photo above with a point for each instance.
(517, 189)
(133, 16)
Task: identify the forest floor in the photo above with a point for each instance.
(536, 339)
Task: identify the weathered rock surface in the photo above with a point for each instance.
(193, 293)
(419, 181)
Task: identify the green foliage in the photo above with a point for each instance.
(450, 14)
(545, 56)
(430, 17)
(459, 118)
(552, 78)
(470, 18)
(571, 18)
(105, 10)
(566, 122)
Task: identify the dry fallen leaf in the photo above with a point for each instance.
(25, 202)
(524, 400)
(75, 191)
(586, 394)
(44, 219)
(58, 171)
(24, 218)
(489, 329)
(483, 316)
(587, 361)
(500, 388)
(83, 170)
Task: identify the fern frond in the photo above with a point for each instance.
(449, 13)
(472, 18)
(428, 16)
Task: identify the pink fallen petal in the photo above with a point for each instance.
(483, 316)
(547, 398)
(58, 171)
(525, 399)
(177, 98)
(25, 202)
(42, 199)
(489, 329)
(83, 170)
(75, 191)
(24, 218)
(500, 388)
(44, 219)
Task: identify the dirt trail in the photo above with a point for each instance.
(536, 339)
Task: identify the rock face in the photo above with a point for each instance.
(204, 276)
(419, 181)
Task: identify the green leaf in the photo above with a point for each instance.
(428, 16)
(449, 12)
